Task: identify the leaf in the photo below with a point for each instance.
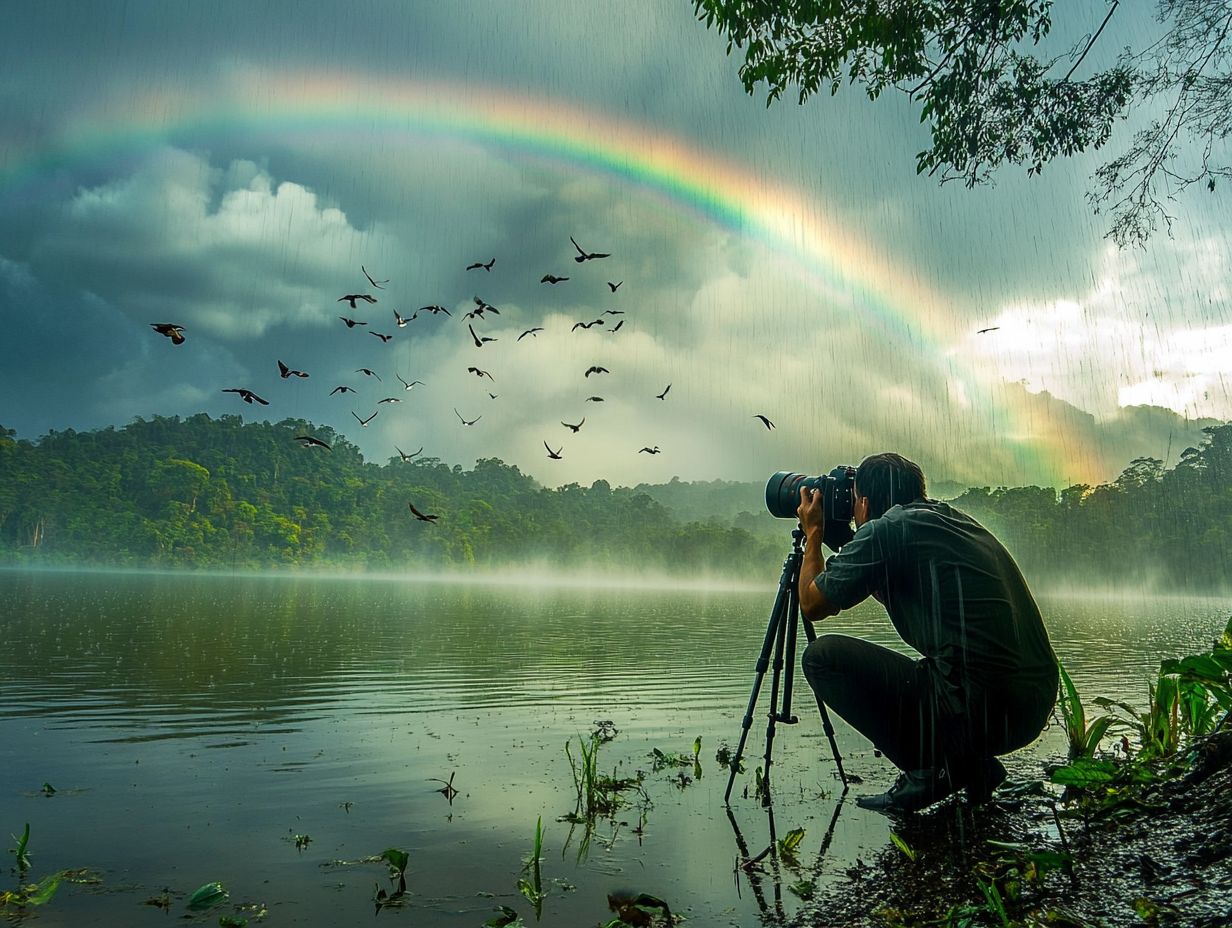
(207, 896)
(396, 858)
(902, 845)
(42, 891)
(1085, 772)
(790, 842)
(507, 919)
(231, 921)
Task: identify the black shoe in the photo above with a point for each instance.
(912, 791)
(981, 786)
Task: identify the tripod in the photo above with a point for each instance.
(781, 636)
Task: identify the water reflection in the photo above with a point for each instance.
(199, 714)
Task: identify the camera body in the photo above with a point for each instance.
(838, 499)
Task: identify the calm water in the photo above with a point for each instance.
(192, 725)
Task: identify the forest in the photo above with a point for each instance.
(227, 494)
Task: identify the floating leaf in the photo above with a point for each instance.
(396, 858)
(507, 919)
(43, 890)
(790, 843)
(48, 789)
(231, 921)
(902, 845)
(207, 896)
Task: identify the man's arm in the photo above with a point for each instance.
(813, 603)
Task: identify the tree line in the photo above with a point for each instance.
(228, 494)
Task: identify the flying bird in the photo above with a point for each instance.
(576, 428)
(485, 306)
(595, 369)
(171, 330)
(478, 341)
(408, 385)
(375, 283)
(342, 390)
(494, 396)
(616, 328)
(422, 517)
(351, 323)
(308, 441)
(594, 399)
(352, 297)
(247, 395)
(554, 455)
(663, 395)
(614, 287)
(766, 422)
(466, 421)
(587, 325)
(389, 399)
(383, 338)
(285, 372)
(991, 328)
(537, 328)
(585, 255)
(401, 320)
(480, 264)
(654, 450)
(551, 279)
(434, 309)
(364, 370)
(478, 373)
(612, 312)
(364, 422)
(406, 457)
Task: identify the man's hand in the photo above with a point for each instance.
(811, 511)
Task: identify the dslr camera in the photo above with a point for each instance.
(837, 494)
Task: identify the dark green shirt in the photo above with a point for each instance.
(953, 593)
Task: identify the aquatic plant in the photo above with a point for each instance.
(396, 859)
(597, 794)
(207, 896)
(507, 918)
(23, 855)
(33, 894)
(789, 845)
(637, 910)
(532, 889)
(908, 851)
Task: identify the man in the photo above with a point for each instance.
(987, 680)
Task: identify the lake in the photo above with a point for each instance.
(192, 726)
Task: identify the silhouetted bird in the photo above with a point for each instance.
(586, 255)
(408, 385)
(309, 442)
(384, 338)
(480, 264)
(614, 287)
(171, 330)
(537, 328)
(389, 399)
(654, 450)
(342, 390)
(991, 328)
(551, 279)
(493, 396)
(766, 422)
(406, 457)
(375, 283)
(479, 342)
(663, 395)
(466, 421)
(554, 455)
(284, 372)
(594, 399)
(401, 320)
(351, 323)
(422, 517)
(365, 371)
(247, 395)
(586, 325)
(478, 373)
(485, 306)
(434, 309)
(352, 297)
(576, 428)
(612, 312)
(595, 369)
(616, 327)
(364, 422)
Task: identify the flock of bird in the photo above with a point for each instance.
(482, 308)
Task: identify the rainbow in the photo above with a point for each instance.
(835, 264)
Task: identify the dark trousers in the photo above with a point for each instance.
(914, 719)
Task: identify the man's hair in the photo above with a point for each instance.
(888, 479)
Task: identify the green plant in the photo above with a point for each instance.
(532, 889)
(789, 844)
(33, 894)
(909, 852)
(207, 896)
(23, 856)
(1083, 737)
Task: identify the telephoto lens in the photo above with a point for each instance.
(837, 494)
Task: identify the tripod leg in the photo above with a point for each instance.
(763, 661)
(779, 643)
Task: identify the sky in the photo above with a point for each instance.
(230, 167)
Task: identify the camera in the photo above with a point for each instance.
(838, 499)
